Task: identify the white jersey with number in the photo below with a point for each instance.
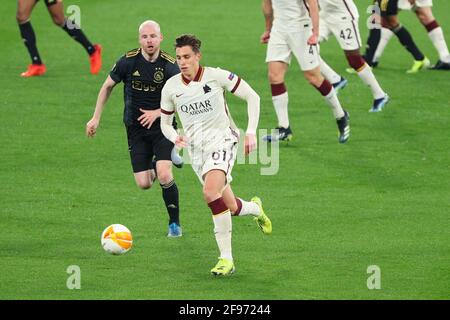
(289, 15)
(201, 106)
(338, 10)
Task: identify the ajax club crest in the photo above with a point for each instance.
(159, 75)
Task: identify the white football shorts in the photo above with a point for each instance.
(282, 45)
(220, 156)
(405, 5)
(346, 33)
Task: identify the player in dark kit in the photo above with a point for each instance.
(144, 71)
(389, 20)
(56, 10)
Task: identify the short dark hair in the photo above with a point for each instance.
(188, 40)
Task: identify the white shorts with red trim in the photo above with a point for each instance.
(346, 33)
(218, 156)
(282, 45)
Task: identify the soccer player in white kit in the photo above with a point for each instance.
(340, 18)
(423, 11)
(292, 27)
(197, 95)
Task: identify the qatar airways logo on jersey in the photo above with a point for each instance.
(197, 108)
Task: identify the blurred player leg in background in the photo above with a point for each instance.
(336, 79)
(280, 47)
(422, 9)
(342, 21)
(389, 20)
(24, 9)
(56, 10)
(280, 99)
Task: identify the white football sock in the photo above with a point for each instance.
(280, 103)
(386, 35)
(249, 208)
(369, 79)
(334, 103)
(222, 232)
(437, 37)
(329, 73)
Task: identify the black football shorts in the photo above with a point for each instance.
(143, 147)
(49, 3)
(388, 7)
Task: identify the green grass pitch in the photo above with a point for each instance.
(382, 199)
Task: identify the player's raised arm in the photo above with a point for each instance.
(103, 96)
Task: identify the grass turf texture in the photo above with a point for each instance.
(381, 199)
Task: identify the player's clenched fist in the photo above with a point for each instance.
(181, 142)
(265, 36)
(250, 143)
(91, 127)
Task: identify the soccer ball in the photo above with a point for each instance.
(116, 239)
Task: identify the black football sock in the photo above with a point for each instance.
(371, 45)
(170, 196)
(29, 39)
(75, 32)
(407, 41)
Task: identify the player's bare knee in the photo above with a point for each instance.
(425, 15)
(143, 184)
(165, 176)
(22, 17)
(275, 77)
(210, 194)
(391, 22)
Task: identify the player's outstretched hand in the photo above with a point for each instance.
(250, 143)
(265, 37)
(91, 127)
(181, 141)
(148, 117)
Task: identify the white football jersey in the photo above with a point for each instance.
(289, 15)
(338, 10)
(201, 105)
